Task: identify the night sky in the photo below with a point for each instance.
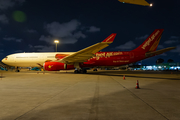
(33, 25)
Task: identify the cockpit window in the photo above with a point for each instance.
(6, 57)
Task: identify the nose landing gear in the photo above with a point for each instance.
(17, 69)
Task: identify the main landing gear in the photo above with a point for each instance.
(80, 71)
(17, 69)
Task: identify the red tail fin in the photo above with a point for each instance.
(151, 43)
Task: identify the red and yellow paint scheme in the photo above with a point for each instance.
(90, 56)
(145, 50)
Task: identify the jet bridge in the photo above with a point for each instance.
(3, 66)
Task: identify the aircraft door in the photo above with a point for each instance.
(12, 58)
(42, 59)
(131, 55)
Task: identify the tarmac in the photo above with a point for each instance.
(101, 95)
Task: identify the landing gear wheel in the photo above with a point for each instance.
(17, 69)
(84, 71)
(76, 71)
(81, 71)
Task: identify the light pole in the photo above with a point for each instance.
(56, 42)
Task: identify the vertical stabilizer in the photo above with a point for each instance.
(151, 43)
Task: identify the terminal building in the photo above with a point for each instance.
(160, 66)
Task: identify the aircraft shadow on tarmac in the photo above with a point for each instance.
(123, 104)
(141, 74)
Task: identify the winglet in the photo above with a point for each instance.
(110, 38)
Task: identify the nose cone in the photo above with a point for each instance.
(3, 60)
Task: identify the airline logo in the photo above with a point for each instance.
(150, 40)
(108, 54)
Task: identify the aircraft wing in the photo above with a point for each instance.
(137, 2)
(149, 54)
(89, 52)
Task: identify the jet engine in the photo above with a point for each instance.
(56, 66)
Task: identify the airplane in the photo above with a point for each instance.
(137, 2)
(88, 57)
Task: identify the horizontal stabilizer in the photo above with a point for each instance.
(149, 54)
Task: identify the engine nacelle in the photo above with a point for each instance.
(56, 66)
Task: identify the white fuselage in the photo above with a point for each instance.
(31, 59)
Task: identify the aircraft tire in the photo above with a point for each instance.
(84, 71)
(76, 71)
